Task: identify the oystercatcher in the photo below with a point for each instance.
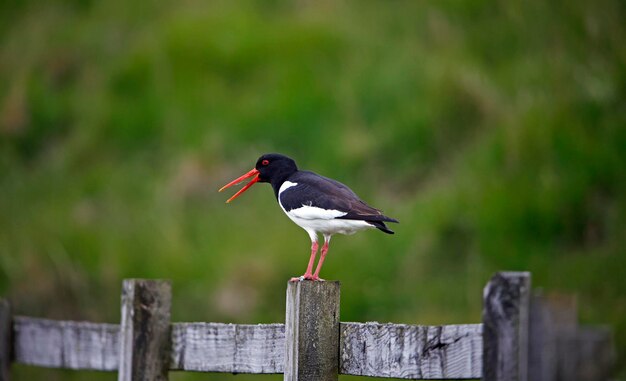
(315, 203)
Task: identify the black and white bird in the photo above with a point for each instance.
(315, 203)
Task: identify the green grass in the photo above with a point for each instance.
(495, 132)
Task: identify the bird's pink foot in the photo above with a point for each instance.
(306, 277)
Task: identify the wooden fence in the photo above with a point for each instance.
(523, 336)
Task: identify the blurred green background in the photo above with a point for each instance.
(495, 131)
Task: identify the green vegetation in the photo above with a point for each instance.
(494, 131)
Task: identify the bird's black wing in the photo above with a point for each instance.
(328, 194)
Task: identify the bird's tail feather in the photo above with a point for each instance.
(381, 226)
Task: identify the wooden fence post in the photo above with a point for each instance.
(505, 327)
(5, 339)
(145, 331)
(563, 310)
(542, 340)
(312, 331)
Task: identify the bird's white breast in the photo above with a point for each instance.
(318, 220)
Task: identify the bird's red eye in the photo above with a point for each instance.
(265, 162)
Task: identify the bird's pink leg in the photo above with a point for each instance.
(316, 276)
(309, 268)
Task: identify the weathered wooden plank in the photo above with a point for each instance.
(5, 340)
(65, 344)
(560, 349)
(369, 349)
(563, 310)
(411, 351)
(593, 354)
(542, 351)
(202, 347)
(145, 330)
(505, 327)
(233, 348)
(312, 331)
(230, 348)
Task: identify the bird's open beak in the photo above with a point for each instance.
(254, 173)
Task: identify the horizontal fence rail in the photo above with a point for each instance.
(66, 344)
(411, 351)
(228, 348)
(523, 336)
(408, 351)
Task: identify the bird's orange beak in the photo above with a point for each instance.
(254, 173)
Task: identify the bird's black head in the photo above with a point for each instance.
(271, 168)
(275, 168)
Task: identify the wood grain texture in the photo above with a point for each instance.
(411, 351)
(234, 348)
(202, 347)
(230, 348)
(506, 307)
(5, 340)
(66, 344)
(373, 349)
(145, 333)
(312, 331)
(370, 349)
